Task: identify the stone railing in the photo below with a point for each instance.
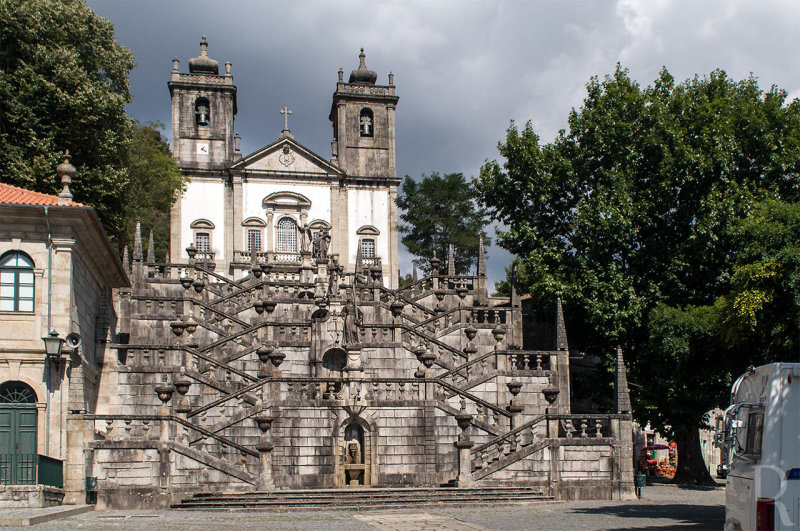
(508, 443)
(272, 257)
(123, 427)
(543, 427)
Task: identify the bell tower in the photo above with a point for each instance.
(203, 109)
(363, 124)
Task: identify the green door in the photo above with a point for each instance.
(18, 427)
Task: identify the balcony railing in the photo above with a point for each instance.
(31, 469)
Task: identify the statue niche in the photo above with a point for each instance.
(354, 466)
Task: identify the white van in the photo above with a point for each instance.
(761, 432)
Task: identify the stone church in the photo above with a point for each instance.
(284, 195)
(273, 350)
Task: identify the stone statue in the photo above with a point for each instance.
(305, 238)
(333, 278)
(322, 242)
(353, 453)
(351, 322)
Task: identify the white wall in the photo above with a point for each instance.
(204, 200)
(254, 192)
(368, 207)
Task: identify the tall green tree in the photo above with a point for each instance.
(64, 85)
(629, 216)
(154, 182)
(438, 211)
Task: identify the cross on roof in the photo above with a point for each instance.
(286, 112)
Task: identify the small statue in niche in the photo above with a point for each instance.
(353, 456)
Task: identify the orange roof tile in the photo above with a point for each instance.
(14, 195)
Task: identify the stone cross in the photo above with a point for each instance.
(286, 112)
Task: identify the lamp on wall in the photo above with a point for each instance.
(52, 345)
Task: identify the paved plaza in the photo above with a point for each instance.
(663, 507)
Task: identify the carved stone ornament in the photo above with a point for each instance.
(286, 156)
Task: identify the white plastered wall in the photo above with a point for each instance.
(204, 200)
(254, 192)
(368, 207)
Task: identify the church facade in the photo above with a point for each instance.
(280, 199)
(273, 349)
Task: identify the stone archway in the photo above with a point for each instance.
(354, 443)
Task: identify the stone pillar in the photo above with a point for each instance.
(264, 446)
(78, 434)
(354, 366)
(464, 444)
(270, 230)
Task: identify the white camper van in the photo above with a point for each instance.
(761, 431)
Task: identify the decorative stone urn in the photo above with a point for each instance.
(164, 392)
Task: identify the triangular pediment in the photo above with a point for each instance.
(286, 156)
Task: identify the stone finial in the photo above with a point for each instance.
(203, 46)
(341, 75)
(391, 79)
(125, 260)
(237, 143)
(151, 250)
(228, 68)
(481, 257)
(414, 275)
(362, 75)
(623, 397)
(515, 300)
(166, 256)
(66, 172)
(451, 261)
(176, 64)
(359, 260)
(137, 243)
(561, 328)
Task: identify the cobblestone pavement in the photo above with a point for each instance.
(663, 507)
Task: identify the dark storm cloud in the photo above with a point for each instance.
(463, 69)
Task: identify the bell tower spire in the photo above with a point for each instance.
(363, 123)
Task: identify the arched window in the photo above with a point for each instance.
(16, 393)
(202, 112)
(16, 282)
(286, 236)
(366, 122)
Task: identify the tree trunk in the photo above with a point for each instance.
(691, 466)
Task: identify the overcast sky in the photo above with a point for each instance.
(463, 69)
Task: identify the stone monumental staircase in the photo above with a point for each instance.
(361, 499)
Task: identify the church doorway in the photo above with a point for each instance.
(18, 427)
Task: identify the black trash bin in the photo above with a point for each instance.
(91, 490)
(640, 482)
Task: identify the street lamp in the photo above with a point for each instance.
(52, 345)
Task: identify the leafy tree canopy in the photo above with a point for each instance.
(633, 215)
(64, 85)
(154, 182)
(438, 211)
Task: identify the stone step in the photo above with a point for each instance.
(362, 499)
(334, 498)
(354, 505)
